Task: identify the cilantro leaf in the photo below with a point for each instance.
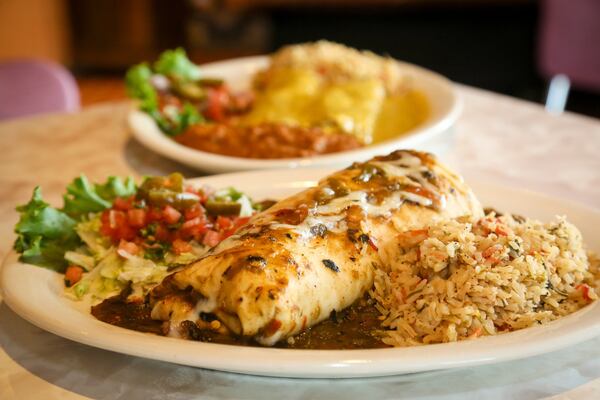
(175, 64)
(44, 234)
(82, 197)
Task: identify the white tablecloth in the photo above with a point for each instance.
(497, 138)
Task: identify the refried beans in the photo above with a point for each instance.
(265, 140)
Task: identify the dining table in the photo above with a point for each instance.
(499, 139)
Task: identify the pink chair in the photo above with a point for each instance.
(569, 41)
(30, 87)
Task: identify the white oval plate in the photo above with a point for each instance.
(431, 135)
(36, 294)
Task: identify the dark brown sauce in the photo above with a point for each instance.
(118, 311)
(351, 328)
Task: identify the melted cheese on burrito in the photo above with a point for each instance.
(314, 252)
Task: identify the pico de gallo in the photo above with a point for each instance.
(110, 236)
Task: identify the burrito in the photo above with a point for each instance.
(310, 254)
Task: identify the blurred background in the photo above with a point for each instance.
(508, 46)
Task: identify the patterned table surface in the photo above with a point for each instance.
(497, 138)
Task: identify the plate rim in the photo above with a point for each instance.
(303, 363)
(145, 131)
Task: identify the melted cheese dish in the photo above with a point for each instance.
(302, 97)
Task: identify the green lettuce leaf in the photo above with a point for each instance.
(176, 64)
(137, 82)
(173, 63)
(44, 234)
(83, 197)
(116, 187)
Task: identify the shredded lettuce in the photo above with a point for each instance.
(81, 258)
(44, 234)
(99, 282)
(89, 232)
(118, 269)
(142, 273)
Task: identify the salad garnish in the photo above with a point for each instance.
(172, 68)
(116, 235)
(174, 93)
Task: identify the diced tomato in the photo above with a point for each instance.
(211, 238)
(118, 223)
(224, 223)
(492, 253)
(193, 212)
(192, 223)
(105, 229)
(73, 275)
(240, 221)
(236, 223)
(194, 228)
(216, 101)
(500, 231)
(162, 233)
(171, 215)
(123, 204)
(585, 291)
(115, 226)
(128, 247)
(126, 232)
(154, 214)
(116, 219)
(123, 222)
(487, 253)
(181, 246)
(136, 217)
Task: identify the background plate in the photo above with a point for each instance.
(36, 294)
(433, 135)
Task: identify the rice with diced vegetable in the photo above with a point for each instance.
(337, 63)
(461, 279)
